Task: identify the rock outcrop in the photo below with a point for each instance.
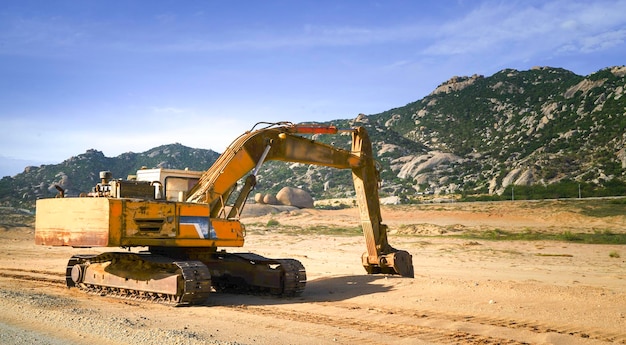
(295, 197)
(288, 196)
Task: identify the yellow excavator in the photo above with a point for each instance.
(186, 218)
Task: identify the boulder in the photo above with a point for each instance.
(295, 197)
(269, 199)
(258, 198)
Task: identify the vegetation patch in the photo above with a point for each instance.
(323, 230)
(275, 227)
(612, 208)
(272, 222)
(567, 189)
(597, 237)
(12, 218)
(426, 229)
(333, 206)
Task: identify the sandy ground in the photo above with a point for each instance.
(464, 291)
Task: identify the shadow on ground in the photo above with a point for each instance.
(329, 289)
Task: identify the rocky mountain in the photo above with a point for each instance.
(544, 132)
(80, 173)
(536, 127)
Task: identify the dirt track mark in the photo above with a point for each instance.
(50, 273)
(405, 329)
(27, 277)
(497, 322)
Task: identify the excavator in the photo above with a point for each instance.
(185, 218)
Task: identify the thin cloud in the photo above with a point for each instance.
(564, 26)
(38, 35)
(602, 41)
(34, 36)
(169, 110)
(190, 68)
(544, 26)
(309, 37)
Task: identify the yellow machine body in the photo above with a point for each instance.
(183, 217)
(110, 222)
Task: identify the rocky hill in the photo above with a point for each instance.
(536, 127)
(80, 173)
(541, 133)
(546, 132)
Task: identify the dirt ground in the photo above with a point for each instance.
(464, 292)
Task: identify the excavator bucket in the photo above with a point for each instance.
(399, 262)
(402, 263)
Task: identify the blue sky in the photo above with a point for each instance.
(121, 76)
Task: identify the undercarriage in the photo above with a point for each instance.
(183, 276)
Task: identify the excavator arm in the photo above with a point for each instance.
(282, 142)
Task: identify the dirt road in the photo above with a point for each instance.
(464, 291)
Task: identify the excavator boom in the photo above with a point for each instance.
(282, 143)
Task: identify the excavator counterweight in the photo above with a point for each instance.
(184, 218)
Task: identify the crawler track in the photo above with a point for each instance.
(287, 275)
(250, 273)
(195, 287)
(294, 277)
(292, 273)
